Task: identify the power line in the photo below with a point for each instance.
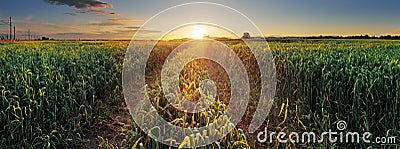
(8, 22)
(4, 21)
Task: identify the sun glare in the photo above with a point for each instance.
(198, 33)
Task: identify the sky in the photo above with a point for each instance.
(121, 19)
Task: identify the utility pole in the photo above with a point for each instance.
(10, 28)
(29, 34)
(14, 33)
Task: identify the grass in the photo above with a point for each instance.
(53, 93)
(50, 91)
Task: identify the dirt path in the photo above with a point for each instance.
(112, 131)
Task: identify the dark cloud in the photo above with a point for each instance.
(95, 11)
(81, 4)
(70, 13)
(114, 14)
(85, 6)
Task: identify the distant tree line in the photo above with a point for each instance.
(246, 35)
(6, 37)
(393, 37)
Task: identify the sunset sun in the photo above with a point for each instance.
(198, 33)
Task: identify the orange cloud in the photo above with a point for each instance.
(114, 21)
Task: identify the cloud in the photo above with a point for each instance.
(114, 22)
(80, 4)
(106, 23)
(132, 27)
(72, 14)
(114, 14)
(42, 27)
(97, 35)
(120, 33)
(85, 6)
(123, 19)
(68, 34)
(136, 29)
(95, 11)
(87, 32)
(38, 28)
